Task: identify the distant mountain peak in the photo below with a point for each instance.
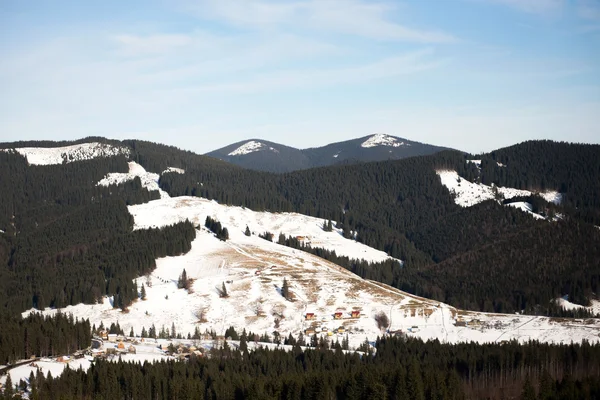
(247, 148)
(381, 139)
(268, 156)
(251, 147)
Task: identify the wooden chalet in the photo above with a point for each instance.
(310, 316)
(355, 314)
(338, 315)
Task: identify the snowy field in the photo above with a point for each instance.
(468, 194)
(77, 152)
(252, 270)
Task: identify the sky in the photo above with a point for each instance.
(475, 75)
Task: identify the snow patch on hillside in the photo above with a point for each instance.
(149, 179)
(467, 194)
(173, 169)
(247, 148)
(67, 154)
(525, 207)
(172, 210)
(552, 197)
(381, 139)
(594, 306)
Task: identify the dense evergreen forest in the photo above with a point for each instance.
(398, 368)
(67, 240)
(41, 336)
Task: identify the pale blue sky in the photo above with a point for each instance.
(470, 74)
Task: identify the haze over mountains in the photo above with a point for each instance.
(268, 156)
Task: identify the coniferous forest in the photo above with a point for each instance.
(66, 240)
(397, 368)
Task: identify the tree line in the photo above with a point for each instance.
(394, 368)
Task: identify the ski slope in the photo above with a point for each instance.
(67, 154)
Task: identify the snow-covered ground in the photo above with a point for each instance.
(251, 147)
(468, 194)
(173, 169)
(149, 179)
(381, 139)
(525, 207)
(593, 308)
(77, 152)
(253, 269)
(235, 219)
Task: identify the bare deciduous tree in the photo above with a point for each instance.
(383, 322)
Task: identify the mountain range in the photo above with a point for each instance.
(268, 156)
(447, 247)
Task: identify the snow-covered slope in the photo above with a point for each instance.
(77, 152)
(173, 169)
(195, 209)
(525, 207)
(468, 194)
(252, 271)
(149, 179)
(381, 139)
(250, 147)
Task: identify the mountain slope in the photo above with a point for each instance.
(378, 147)
(401, 207)
(252, 271)
(262, 155)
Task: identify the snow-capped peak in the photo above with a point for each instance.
(247, 148)
(77, 152)
(381, 139)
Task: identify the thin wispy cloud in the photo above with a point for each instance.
(309, 78)
(201, 74)
(539, 7)
(351, 17)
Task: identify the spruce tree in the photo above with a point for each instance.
(285, 289)
(143, 293)
(247, 231)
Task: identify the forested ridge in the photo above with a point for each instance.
(401, 207)
(67, 240)
(399, 369)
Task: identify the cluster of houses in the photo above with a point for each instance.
(472, 323)
(337, 315)
(324, 330)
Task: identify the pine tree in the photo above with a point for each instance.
(131, 334)
(285, 289)
(182, 282)
(143, 293)
(224, 293)
(9, 390)
(173, 334)
(247, 231)
(528, 390)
